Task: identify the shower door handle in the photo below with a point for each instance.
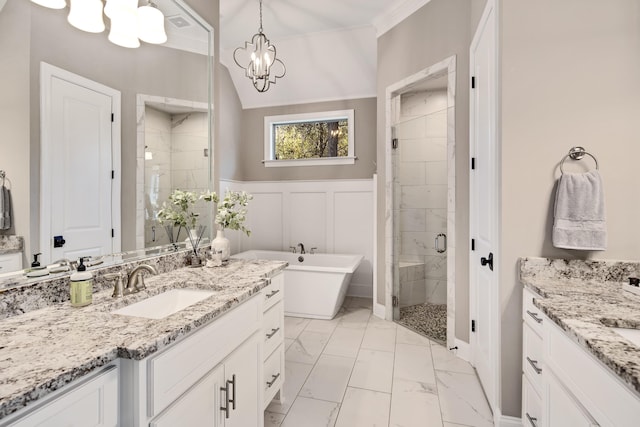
(437, 246)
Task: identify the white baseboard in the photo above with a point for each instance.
(500, 420)
(463, 351)
(362, 290)
(379, 310)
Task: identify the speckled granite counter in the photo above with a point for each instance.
(582, 297)
(11, 244)
(42, 350)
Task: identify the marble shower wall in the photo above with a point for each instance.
(421, 208)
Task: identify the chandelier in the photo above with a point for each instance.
(259, 57)
(129, 23)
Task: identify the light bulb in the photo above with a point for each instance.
(113, 7)
(151, 25)
(51, 4)
(86, 15)
(124, 28)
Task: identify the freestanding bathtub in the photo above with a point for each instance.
(314, 284)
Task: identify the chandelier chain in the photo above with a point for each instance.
(260, 29)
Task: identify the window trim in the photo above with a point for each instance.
(269, 147)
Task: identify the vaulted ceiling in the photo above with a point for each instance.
(329, 46)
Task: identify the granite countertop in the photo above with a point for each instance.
(11, 244)
(44, 349)
(584, 298)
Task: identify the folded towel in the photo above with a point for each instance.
(579, 220)
(5, 208)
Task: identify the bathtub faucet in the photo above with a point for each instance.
(301, 246)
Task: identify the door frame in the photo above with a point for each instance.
(47, 73)
(445, 67)
(491, 8)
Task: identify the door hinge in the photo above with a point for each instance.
(394, 301)
(473, 326)
(113, 233)
(473, 163)
(473, 82)
(394, 143)
(473, 244)
(113, 174)
(112, 117)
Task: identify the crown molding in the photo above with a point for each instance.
(396, 14)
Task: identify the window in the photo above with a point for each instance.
(310, 139)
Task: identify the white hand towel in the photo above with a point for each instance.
(579, 219)
(5, 208)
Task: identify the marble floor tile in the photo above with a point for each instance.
(414, 363)
(462, 399)
(324, 326)
(344, 342)
(379, 338)
(295, 375)
(376, 322)
(272, 419)
(329, 378)
(444, 360)
(356, 318)
(364, 408)
(414, 404)
(373, 371)
(407, 336)
(307, 347)
(293, 326)
(311, 413)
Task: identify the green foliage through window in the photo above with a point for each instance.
(311, 140)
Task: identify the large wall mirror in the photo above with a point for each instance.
(161, 141)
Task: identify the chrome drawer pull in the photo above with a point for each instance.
(272, 293)
(532, 420)
(226, 392)
(273, 381)
(535, 316)
(534, 365)
(233, 394)
(273, 332)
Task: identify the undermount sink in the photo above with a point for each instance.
(164, 304)
(632, 335)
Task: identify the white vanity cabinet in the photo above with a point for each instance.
(91, 401)
(273, 334)
(564, 385)
(199, 375)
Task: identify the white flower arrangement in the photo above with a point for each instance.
(232, 212)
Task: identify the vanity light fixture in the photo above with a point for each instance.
(52, 4)
(151, 24)
(86, 15)
(259, 57)
(124, 23)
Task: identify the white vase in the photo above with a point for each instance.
(221, 244)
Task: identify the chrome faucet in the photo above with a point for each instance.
(136, 280)
(301, 246)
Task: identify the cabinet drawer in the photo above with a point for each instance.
(532, 357)
(273, 329)
(272, 293)
(531, 314)
(175, 370)
(531, 405)
(273, 374)
(562, 408)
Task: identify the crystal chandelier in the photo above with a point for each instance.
(259, 57)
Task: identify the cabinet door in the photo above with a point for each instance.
(92, 404)
(197, 407)
(562, 408)
(243, 374)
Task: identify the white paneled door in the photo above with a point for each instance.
(77, 164)
(484, 337)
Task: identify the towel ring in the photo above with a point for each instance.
(577, 153)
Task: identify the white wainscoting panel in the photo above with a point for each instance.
(335, 216)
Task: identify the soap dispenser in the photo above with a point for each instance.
(36, 262)
(81, 286)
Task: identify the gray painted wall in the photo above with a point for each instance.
(230, 128)
(251, 167)
(439, 29)
(569, 77)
